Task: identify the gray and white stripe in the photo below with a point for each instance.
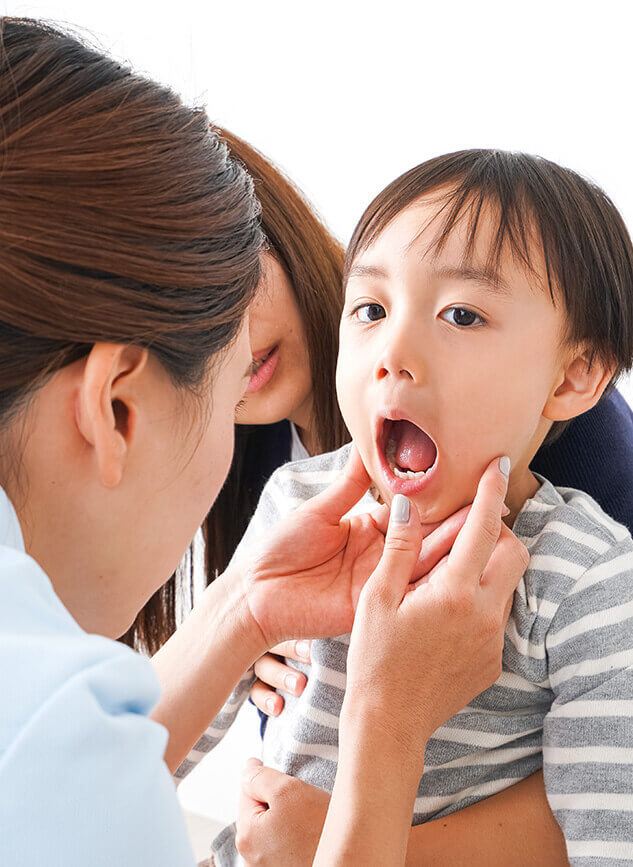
(563, 701)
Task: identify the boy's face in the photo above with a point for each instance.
(442, 369)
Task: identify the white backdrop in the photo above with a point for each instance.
(346, 95)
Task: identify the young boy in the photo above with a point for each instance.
(489, 299)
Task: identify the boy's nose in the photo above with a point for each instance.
(396, 363)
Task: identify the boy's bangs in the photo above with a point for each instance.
(508, 222)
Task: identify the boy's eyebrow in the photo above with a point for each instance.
(367, 271)
(478, 275)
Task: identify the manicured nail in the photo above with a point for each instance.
(400, 509)
(505, 511)
(303, 650)
(504, 465)
(271, 705)
(291, 681)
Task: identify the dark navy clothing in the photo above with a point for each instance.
(595, 455)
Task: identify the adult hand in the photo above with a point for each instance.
(279, 818)
(305, 577)
(420, 652)
(417, 655)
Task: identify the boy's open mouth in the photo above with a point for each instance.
(408, 455)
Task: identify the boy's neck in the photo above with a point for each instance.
(521, 487)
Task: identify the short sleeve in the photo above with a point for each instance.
(82, 777)
(84, 781)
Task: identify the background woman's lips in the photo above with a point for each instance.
(265, 371)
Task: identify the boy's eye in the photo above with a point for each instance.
(370, 312)
(461, 317)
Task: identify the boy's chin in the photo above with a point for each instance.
(429, 509)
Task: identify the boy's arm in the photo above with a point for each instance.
(515, 825)
(588, 732)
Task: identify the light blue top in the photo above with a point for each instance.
(82, 777)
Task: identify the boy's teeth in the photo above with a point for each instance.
(407, 474)
(390, 454)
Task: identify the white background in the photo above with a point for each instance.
(347, 95)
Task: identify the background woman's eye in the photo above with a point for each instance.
(462, 317)
(370, 312)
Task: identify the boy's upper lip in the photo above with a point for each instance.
(393, 414)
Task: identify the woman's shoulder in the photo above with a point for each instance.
(82, 777)
(46, 659)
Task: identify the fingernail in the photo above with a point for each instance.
(270, 705)
(504, 465)
(291, 681)
(303, 649)
(400, 509)
(505, 511)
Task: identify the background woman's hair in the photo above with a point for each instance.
(536, 205)
(122, 219)
(313, 261)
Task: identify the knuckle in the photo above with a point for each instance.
(285, 787)
(490, 527)
(461, 602)
(398, 544)
(523, 556)
(243, 841)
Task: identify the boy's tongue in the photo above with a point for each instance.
(414, 449)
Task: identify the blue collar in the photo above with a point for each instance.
(10, 531)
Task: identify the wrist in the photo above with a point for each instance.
(224, 604)
(368, 729)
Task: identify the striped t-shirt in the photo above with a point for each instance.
(564, 700)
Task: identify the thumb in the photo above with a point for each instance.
(344, 492)
(402, 548)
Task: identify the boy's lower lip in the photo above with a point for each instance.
(258, 380)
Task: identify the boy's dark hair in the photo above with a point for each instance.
(586, 247)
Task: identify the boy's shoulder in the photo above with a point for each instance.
(302, 480)
(573, 515)
(570, 539)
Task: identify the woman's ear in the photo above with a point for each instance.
(579, 387)
(106, 405)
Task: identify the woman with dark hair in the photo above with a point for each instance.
(130, 254)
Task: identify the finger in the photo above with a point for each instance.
(506, 566)
(261, 783)
(477, 539)
(280, 676)
(380, 517)
(297, 650)
(249, 807)
(266, 699)
(344, 492)
(401, 551)
(439, 543)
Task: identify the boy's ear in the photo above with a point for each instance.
(579, 387)
(106, 406)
